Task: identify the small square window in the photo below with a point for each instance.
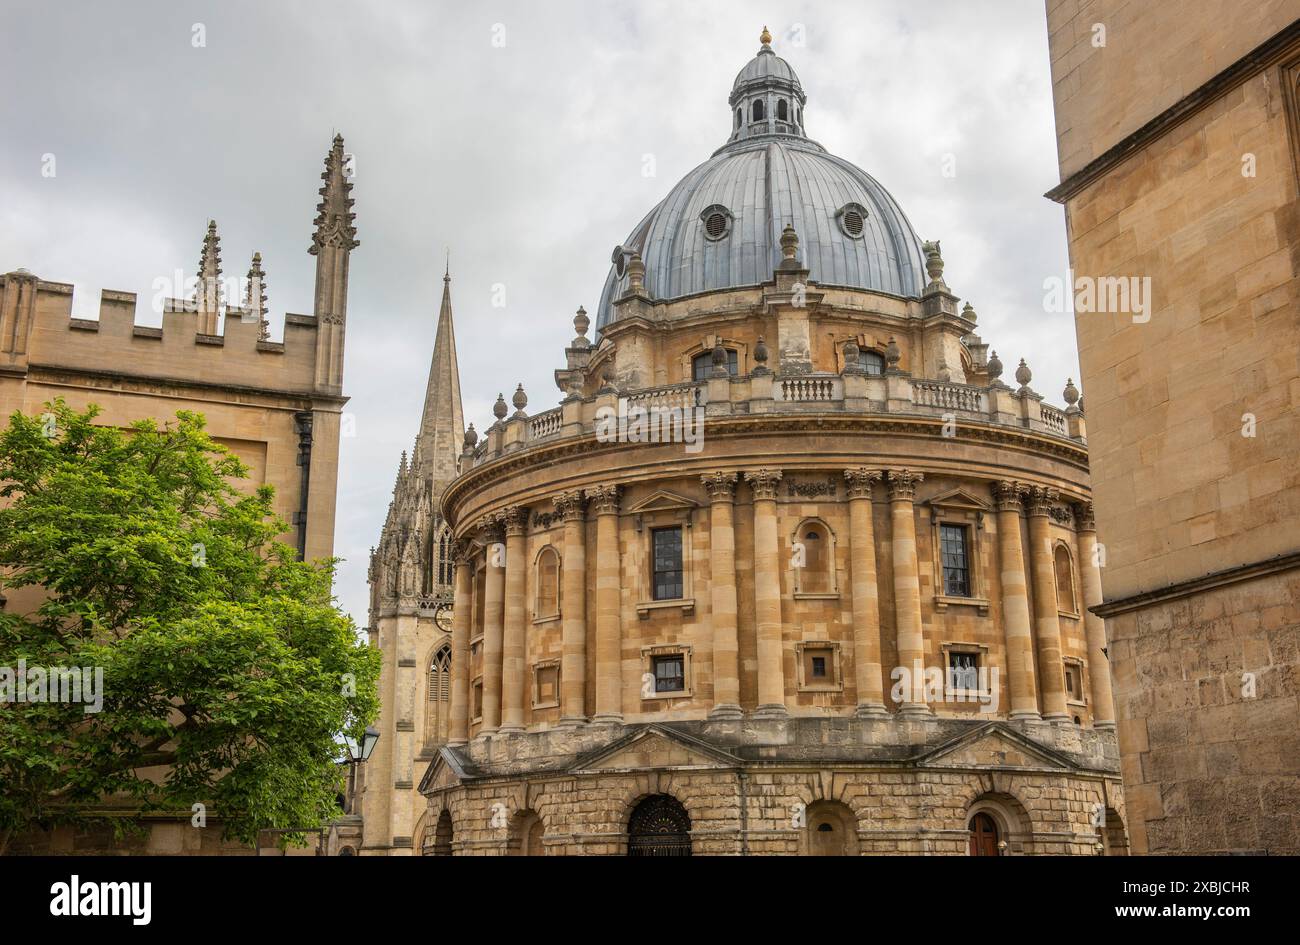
(963, 671)
(478, 698)
(1072, 687)
(818, 666)
(669, 672)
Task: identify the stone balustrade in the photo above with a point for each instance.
(893, 393)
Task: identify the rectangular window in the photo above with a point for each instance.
(670, 673)
(478, 699)
(819, 667)
(1072, 687)
(963, 671)
(956, 561)
(667, 551)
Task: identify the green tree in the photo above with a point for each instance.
(228, 671)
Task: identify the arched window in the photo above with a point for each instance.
(439, 697)
(799, 116)
(782, 110)
(739, 117)
(873, 362)
(1064, 581)
(813, 556)
(659, 826)
(526, 833)
(702, 365)
(547, 602)
(480, 585)
(756, 113)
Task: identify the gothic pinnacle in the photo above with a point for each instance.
(255, 298)
(335, 221)
(208, 290)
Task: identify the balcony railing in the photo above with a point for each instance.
(765, 393)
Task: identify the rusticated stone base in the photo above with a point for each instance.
(793, 786)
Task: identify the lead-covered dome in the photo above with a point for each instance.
(720, 227)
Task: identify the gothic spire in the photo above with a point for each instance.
(335, 221)
(442, 425)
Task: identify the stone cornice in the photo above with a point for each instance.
(931, 428)
(1262, 57)
(1179, 589)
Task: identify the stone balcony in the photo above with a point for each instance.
(894, 393)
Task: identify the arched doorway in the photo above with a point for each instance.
(442, 835)
(984, 836)
(831, 829)
(526, 833)
(659, 826)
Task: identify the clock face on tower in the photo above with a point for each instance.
(442, 617)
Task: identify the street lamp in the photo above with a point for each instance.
(359, 750)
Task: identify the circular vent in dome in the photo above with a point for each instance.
(717, 222)
(853, 218)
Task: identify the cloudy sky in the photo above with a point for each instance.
(514, 135)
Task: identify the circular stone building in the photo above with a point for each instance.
(791, 568)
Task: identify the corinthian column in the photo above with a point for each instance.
(722, 570)
(1103, 706)
(866, 596)
(907, 590)
(609, 634)
(512, 650)
(1051, 671)
(1015, 603)
(493, 626)
(573, 632)
(458, 711)
(767, 594)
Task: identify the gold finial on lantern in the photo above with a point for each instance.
(765, 37)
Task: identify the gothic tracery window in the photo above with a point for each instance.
(439, 697)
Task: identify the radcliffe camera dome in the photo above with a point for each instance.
(720, 227)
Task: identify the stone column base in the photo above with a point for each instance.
(726, 711)
(772, 711)
(871, 710)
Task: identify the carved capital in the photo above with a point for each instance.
(513, 520)
(861, 480)
(764, 482)
(570, 505)
(1008, 495)
(1085, 517)
(605, 499)
(489, 530)
(902, 484)
(720, 486)
(1039, 499)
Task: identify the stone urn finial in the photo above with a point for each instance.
(760, 356)
(789, 248)
(580, 324)
(635, 275)
(471, 438)
(994, 368)
(968, 313)
(520, 400)
(499, 409)
(892, 354)
(719, 358)
(1024, 375)
(933, 261)
(852, 357)
(1071, 393)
